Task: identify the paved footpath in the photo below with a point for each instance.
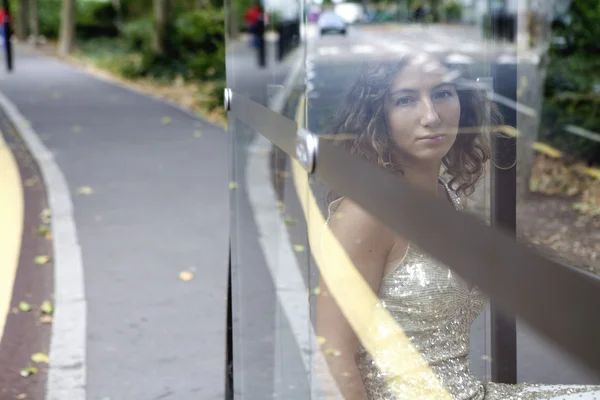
(159, 205)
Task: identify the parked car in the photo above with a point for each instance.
(329, 21)
(350, 12)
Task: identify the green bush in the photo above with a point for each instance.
(453, 11)
(138, 34)
(94, 18)
(200, 43)
(195, 48)
(49, 17)
(571, 91)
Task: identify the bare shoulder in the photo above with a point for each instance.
(351, 220)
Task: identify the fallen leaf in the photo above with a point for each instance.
(27, 123)
(40, 358)
(186, 275)
(233, 185)
(197, 134)
(48, 236)
(46, 319)
(76, 129)
(41, 260)
(166, 120)
(289, 221)
(45, 215)
(321, 340)
(298, 248)
(317, 291)
(283, 174)
(30, 182)
(85, 190)
(333, 352)
(28, 371)
(281, 206)
(346, 374)
(24, 306)
(21, 396)
(486, 358)
(47, 307)
(41, 230)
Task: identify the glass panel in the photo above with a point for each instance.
(270, 312)
(449, 97)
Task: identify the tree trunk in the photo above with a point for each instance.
(162, 22)
(66, 36)
(119, 10)
(34, 24)
(21, 23)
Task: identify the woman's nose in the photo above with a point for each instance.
(429, 115)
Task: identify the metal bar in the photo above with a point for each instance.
(274, 126)
(229, 339)
(503, 202)
(504, 216)
(560, 303)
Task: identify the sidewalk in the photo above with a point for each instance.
(158, 206)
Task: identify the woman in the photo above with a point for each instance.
(413, 118)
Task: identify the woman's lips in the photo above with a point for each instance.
(433, 138)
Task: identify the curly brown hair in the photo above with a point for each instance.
(360, 125)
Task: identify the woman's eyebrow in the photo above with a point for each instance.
(408, 90)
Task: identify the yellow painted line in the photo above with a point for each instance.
(11, 227)
(359, 304)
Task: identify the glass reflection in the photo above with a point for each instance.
(424, 120)
(427, 120)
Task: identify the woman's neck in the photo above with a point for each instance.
(423, 177)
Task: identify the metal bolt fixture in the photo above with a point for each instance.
(307, 146)
(227, 99)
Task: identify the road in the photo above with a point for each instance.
(126, 325)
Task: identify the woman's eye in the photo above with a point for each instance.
(444, 94)
(404, 101)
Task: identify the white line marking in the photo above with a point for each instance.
(434, 48)
(362, 49)
(67, 369)
(456, 58)
(576, 130)
(328, 51)
(283, 266)
(470, 47)
(398, 48)
(507, 59)
(522, 108)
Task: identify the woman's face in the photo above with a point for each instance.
(423, 112)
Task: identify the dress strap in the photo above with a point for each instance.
(451, 194)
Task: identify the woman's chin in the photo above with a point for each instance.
(431, 155)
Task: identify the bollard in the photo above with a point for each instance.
(504, 217)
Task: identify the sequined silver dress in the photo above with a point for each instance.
(436, 309)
